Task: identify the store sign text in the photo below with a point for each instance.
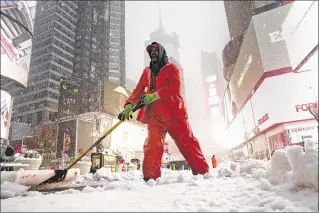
(302, 129)
(305, 107)
(263, 119)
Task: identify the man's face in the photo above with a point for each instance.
(154, 53)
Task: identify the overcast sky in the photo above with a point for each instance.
(200, 25)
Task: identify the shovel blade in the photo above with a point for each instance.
(58, 177)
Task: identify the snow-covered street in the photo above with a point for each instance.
(192, 194)
(279, 185)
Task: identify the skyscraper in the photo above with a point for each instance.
(52, 56)
(84, 39)
(117, 42)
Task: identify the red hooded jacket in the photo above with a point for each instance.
(170, 105)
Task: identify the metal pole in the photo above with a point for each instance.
(314, 94)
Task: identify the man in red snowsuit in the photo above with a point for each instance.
(159, 88)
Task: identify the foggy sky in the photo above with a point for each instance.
(200, 25)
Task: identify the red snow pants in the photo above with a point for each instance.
(187, 144)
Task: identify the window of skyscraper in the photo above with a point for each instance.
(39, 117)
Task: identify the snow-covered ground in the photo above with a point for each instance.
(289, 182)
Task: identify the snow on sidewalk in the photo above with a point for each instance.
(288, 183)
(186, 193)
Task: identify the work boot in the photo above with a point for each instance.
(146, 179)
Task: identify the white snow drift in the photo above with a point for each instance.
(289, 182)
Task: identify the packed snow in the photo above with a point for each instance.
(289, 182)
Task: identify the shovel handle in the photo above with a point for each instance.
(139, 105)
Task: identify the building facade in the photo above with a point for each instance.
(263, 113)
(117, 42)
(84, 39)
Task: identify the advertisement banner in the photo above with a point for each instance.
(300, 30)
(66, 144)
(66, 140)
(276, 101)
(6, 111)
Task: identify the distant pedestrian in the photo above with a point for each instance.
(214, 162)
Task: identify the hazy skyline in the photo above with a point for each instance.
(200, 25)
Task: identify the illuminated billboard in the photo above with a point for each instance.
(263, 50)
